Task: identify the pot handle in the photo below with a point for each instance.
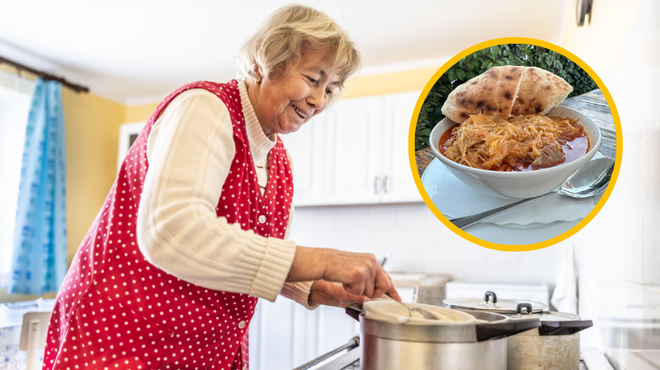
(564, 327)
(526, 306)
(505, 329)
(490, 297)
(355, 311)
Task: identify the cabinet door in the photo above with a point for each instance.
(306, 147)
(284, 335)
(271, 337)
(398, 184)
(354, 131)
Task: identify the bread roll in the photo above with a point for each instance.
(491, 93)
(506, 91)
(540, 91)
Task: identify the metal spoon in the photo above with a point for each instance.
(401, 303)
(588, 181)
(426, 314)
(382, 263)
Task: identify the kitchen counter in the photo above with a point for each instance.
(11, 323)
(347, 357)
(592, 104)
(351, 361)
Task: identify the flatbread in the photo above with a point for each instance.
(506, 91)
(540, 92)
(492, 93)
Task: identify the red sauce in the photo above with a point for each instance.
(573, 149)
(576, 148)
(445, 137)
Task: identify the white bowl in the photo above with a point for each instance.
(388, 311)
(519, 185)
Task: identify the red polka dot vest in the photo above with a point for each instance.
(115, 310)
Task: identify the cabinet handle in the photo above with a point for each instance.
(385, 184)
(376, 185)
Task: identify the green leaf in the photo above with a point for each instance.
(478, 62)
(451, 74)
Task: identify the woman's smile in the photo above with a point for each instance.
(300, 113)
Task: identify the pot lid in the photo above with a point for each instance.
(548, 316)
(553, 323)
(490, 303)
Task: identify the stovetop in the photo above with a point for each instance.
(353, 366)
(351, 361)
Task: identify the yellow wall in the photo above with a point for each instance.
(599, 43)
(139, 113)
(92, 139)
(389, 82)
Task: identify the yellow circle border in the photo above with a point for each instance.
(515, 247)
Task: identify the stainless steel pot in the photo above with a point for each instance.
(391, 346)
(555, 345)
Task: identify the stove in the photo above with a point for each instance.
(351, 361)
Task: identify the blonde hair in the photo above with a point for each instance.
(286, 34)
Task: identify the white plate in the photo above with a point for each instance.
(509, 234)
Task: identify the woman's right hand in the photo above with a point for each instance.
(359, 273)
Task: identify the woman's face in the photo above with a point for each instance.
(283, 105)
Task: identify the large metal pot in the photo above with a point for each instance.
(555, 345)
(479, 344)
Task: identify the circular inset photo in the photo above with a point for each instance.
(517, 144)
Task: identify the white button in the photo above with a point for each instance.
(245, 367)
(261, 219)
(241, 324)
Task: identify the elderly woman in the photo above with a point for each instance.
(192, 232)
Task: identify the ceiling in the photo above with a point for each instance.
(138, 51)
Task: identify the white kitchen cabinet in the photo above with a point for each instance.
(352, 157)
(355, 153)
(306, 153)
(398, 184)
(284, 334)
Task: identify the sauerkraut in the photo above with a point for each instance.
(516, 144)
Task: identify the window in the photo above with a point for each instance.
(15, 97)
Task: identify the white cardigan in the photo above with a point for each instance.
(190, 150)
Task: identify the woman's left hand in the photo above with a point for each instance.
(333, 294)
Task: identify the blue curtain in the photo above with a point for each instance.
(40, 259)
